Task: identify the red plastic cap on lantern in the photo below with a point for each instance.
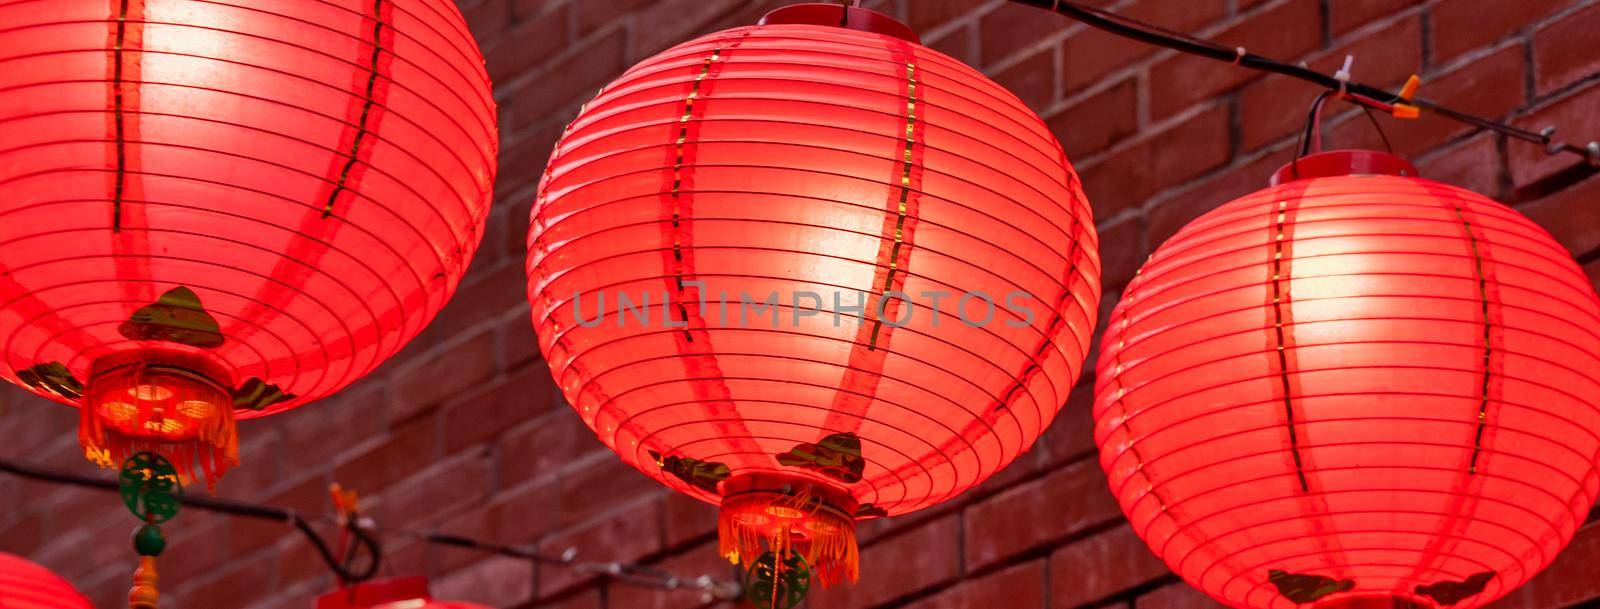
(1354, 389)
(396, 593)
(230, 209)
(26, 585)
(847, 176)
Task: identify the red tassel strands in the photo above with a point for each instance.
(848, 177)
(225, 209)
(25, 585)
(1356, 388)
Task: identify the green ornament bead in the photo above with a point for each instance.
(147, 541)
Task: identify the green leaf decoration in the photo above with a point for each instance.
(837, 456)
(1448, 593)
(1303, 589)
(770, 584)
(53, 378)
(256, 394)
(177, 317)
(704, 475)
(150, 487)
(868, 510)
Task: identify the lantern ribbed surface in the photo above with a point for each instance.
(276, 195)
(1352, 391)
(25, 585)
(777, 161)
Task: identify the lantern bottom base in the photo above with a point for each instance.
(1374, 602)
(161, 403)
(784, 514)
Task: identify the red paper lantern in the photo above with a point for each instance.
(25, 585)
(843, 176)
(397, 593)
(212, 211)
(1355, 388)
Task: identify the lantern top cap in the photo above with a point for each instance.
(835, 15)
(1340, 163)
(378, 593)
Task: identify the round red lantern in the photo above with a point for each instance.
(396, 593)
(812, 274)
(1355, 388)
(212, 211)
(25, 585)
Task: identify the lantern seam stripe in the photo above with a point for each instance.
(562, 333)
(120, 180)
(960, 120)
(677, 184)
(578, 188)
(960, 74)
(460, 241)
(949, 229)
(901, 209)
(1488, 348)
(1030, 208)
(425, 101)
(453, 154)
(1240, 286)
(366, 108)
(1283, 358)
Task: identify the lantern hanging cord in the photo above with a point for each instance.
(363, 532)
(1362, 94)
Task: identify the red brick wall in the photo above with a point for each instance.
(464, 432)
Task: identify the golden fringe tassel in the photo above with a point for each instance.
(188, 420)
(753, 523)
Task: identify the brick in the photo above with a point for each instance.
(440, 490)
(519, 347)
(1033, 78)
(691, 564)
(960, 43)
(1575, 120)
(1474, 164)
(1034, 515)
(1012, 28)
(1089, 54)
(635, 532)
(1101, 566)
(1347, 15)
(1071, 436)
(1096, 123)
(498, 406)
(1570, 215)
(687, 519)
(528, 44)
(517, 516)
(489, 290)
(1019, 587)
(1563, 51)
(23, 535)
(1566, 583)
(407, 449)
(487, 18)
(1165, 218)
(315, 435)
(497, 581)
(1275, 106)
(1117, 266)
(422, 385)
(1125, 178)
(309, 499)
(1285, 31)
(672, 22)
(1490, 86)
(232, 584)
(924, 15)
(586, 67)
(1463, 25)
(900, 566)
(541, 448)
(1176, 596)
(597, 15)
(597, 489)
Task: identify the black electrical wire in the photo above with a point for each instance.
(365, 541)
(1150, 34)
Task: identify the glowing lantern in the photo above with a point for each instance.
(856, 277)
(397, 593)
(25, 585)
(212, 211)
(1356, 388)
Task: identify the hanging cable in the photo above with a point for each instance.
(1369, 95)
(363, 536)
